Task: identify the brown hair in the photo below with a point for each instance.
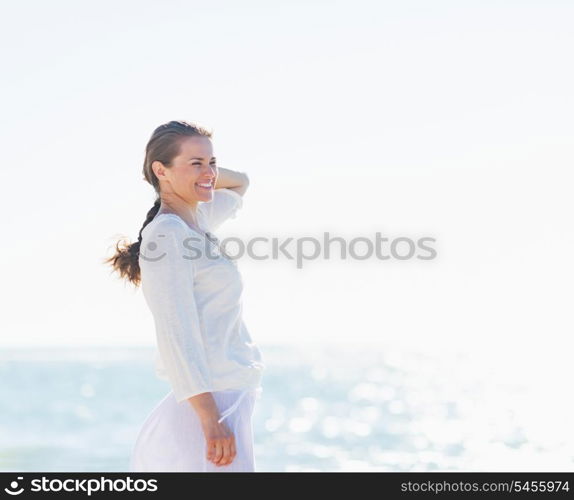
(164, 145)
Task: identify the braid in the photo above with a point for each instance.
(149, 217)
(126, 259)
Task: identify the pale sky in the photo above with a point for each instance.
(445, 119)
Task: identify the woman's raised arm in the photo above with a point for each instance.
(231, 179)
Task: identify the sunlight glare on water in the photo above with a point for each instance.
(323, 408)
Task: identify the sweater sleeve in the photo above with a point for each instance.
(167, 280)
(224, 205)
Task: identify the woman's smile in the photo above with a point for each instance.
(205, 187)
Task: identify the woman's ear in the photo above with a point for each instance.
(158, 169)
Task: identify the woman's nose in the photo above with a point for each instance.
(211, 170)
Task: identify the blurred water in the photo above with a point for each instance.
(323, 408)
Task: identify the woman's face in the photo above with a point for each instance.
(193, 169)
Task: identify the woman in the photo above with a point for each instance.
(193, 291)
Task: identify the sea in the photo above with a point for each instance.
(324, 408)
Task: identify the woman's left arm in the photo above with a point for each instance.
(233, 180)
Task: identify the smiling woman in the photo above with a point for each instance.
(205, 350)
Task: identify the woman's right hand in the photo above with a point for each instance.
(220, 442)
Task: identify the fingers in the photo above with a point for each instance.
(227, 454)
(231, 450)
(218, 453)
(222, 451)
(211, 449)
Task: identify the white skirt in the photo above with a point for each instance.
(171, 438)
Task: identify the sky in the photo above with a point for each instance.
(449, 120)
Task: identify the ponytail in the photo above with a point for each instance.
(126, 259)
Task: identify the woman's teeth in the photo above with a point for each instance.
(204, 185)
